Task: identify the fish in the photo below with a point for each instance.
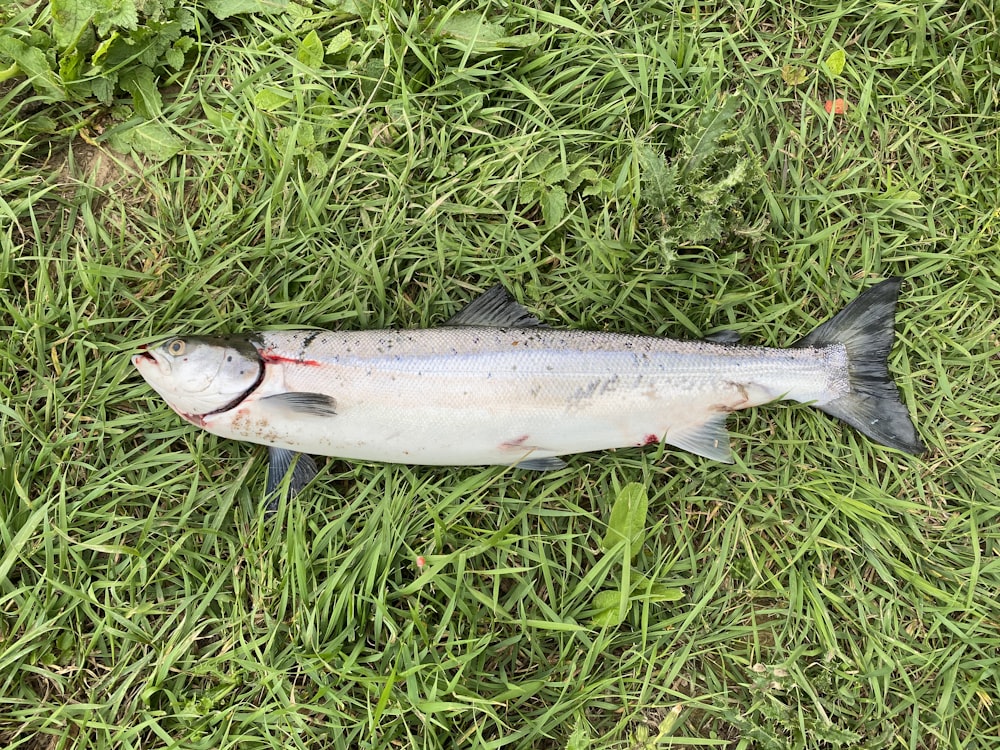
(495, 386)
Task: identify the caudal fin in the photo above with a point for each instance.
(865, 329)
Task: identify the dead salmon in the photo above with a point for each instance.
(494, 386)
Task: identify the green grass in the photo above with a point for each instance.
(836, 594)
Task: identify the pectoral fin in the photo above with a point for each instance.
(312, 404)
(280, 462)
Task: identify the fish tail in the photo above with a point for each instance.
(873, 406)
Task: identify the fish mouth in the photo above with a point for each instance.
(144, 358)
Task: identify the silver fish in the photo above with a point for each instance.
(494, 386)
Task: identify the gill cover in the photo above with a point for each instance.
(200, 375)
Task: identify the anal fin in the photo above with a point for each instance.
(709, 439)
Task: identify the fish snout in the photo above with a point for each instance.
(143, 358)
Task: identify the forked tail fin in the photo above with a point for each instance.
(865, 329)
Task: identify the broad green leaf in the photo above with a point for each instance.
(155, 140)
(148, 138)
(712, 126)
(70, 66)
(340, 42)
(661, 593)
(310, 52)
(835, 63)
(659, 179)
(471, 29)
(472, 33)
(34, 66)
(226, 8)
(305, 136)
(538, 163)
(361, 8)
(270, 99)
(602, 187)
(628, 518)
(174, 57)
(654, 592)
(793, 75)
(608, 613)
(103, 89)
(115, 14)
(317, 164)
(529, 191)
(558, 172)
(899, 48)
(70, 18)
(580, 174)
(141, 84)
(554, 201)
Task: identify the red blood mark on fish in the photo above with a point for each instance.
(278, 359)
(650, 439)
(515, 443)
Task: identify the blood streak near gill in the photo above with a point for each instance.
(273, 358)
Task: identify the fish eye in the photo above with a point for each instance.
(176, 347)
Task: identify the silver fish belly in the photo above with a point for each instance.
(495, 387)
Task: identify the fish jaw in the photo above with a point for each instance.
(155, 371)
(152, 371)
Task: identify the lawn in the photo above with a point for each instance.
(669, 169)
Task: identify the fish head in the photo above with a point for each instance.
(199, 375)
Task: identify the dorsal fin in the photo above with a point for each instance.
(494, 308)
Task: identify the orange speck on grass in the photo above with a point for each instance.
(837, 106)
(421, 562)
